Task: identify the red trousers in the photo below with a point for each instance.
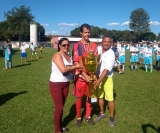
(59, 92)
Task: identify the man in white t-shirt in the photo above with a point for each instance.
(23, 52)
(157, 53)
(104, 82)
(33, 49)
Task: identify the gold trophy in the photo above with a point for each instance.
(90, 63)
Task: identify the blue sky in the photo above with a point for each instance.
(59, 17)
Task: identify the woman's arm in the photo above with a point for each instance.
(58, 60)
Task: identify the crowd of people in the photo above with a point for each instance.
(8, 53)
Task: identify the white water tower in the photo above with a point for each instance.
(33, 33)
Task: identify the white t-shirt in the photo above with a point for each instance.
(57, 75)
(148, 52)
(134, 49)
(121, 51)
(141, 50)
(32, 48)
(106, 62)
(157, 49)
(99, 48)
(23, 49)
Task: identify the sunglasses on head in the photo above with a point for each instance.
(64, 45)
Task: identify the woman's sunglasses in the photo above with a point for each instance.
(64, 45)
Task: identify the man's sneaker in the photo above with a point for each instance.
(100, 116)
(111, 121)
(78, 123)
(151, 71)
(90, 121)
(120, 72)
(146, 71)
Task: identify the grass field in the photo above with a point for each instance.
(26, 105)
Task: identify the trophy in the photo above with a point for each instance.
(90, 63)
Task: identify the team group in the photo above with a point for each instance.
(144, 53)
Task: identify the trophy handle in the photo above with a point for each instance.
(84, 61)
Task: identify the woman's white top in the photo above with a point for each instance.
(57, 75)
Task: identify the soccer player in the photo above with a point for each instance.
(23, 52)
(33, 51)
(157, 53)
(141, 49)
(81, 88)
(122, 55)
(148, 53)
(104, 83)
(117, 63)
(134, 56)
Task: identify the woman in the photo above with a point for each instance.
(59, 81)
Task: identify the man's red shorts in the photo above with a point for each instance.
(80, 88)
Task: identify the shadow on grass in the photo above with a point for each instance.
(32, 60)
(144, 128)
(22, 65)
(6, 97)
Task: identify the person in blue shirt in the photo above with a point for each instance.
(8, 55)
(117, 63)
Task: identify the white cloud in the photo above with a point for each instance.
(45, 24)
(51, 32)
(112, 24)
(155, 23)
(62, 28)
(54, 32)
(65, 24)
(125, 23)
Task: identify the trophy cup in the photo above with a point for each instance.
(90, 63)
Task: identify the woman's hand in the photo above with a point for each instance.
(77, 66)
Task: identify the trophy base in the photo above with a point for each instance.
(93, 100)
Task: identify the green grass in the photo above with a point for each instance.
(26, 105)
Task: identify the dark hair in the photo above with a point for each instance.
(148, 43)
(60, 42)
(107, 37)
(84, 26)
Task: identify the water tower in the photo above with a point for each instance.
(33, 33)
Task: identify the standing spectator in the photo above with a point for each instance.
(148, 53)
(41, 48)
(141, 50)
(33, 51)
(23, 52)
(8, 55)
(104, 83)
(157, 53)
(117, 63)
(81, 88)
(134, 56)
(59, 81)
(122, 55)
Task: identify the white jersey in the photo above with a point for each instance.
(57, 75)
(33, 48)
(106, 62)
(121, 51)
(99, 48)
(23, 49)
(141, 50)
(157, 49)
(148, 52)
(134, 49)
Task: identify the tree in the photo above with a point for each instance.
(158, 37)
(149, 36)
(139, 22)
(18, 21)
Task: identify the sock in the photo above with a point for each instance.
(151, 67)
(123, 67)
(135, 67)
(146, 67)
(131, 66)
(88, 109)
(78, 107)
(156, 63)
